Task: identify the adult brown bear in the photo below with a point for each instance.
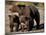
(31, 12)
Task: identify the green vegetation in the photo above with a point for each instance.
(26, 3)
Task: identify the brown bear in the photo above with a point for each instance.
(31, 13)
(14, 18)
